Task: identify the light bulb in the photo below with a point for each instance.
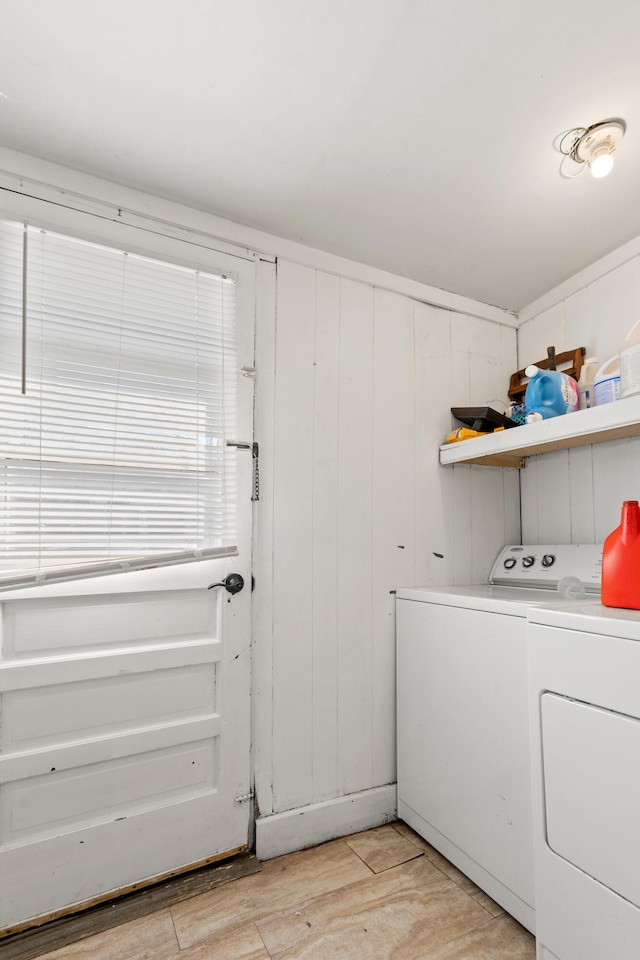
(601, 164)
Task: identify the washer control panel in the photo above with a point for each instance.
(546, 565)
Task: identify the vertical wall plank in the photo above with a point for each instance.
(393, 507)
(529, 500)
(487, 520)
(293, 537)
(326, 414)
(437, 385)
(355, 519)
(512, 520)
(490, 498)
(262, 606)
(485, 364)
(554, 517)
(459, 338)
(462, 513)
(510, 478)
(508, 357)
(546, 330)
(576, 318)
(580, 495)
(485, 338)
(614, 306)
(616, 477)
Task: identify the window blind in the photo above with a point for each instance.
(117, 447)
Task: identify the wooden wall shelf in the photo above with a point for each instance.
(510, 448)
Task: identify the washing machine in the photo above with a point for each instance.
(464, 768)
(584, 696)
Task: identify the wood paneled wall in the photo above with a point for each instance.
(360, 383)
(574, 496)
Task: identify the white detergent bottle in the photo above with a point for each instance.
(585, 382)
(630, 362)
(606, 384)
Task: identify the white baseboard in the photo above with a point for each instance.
(307, 826)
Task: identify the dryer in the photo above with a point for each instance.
(584, 696)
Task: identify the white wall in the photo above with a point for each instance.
(364, 380)
(356, 373)
(574, 496)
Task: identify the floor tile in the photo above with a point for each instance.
(50, 937)
(148, 938)
(241, 942)
(399, 914)
(436, 857)
(499, 939)
(282, 883)
(383, 848)
(490, 905)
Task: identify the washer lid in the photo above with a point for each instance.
(513, 601)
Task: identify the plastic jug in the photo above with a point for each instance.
(550, 393)
(606, 383)
(621, 561)
(585, 382)
(630, 362)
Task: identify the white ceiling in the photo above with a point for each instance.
(412, 135)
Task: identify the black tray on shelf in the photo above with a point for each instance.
(483, 419)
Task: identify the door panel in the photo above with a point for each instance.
(32, 628)
(66, 711)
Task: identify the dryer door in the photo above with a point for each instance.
(592, 790)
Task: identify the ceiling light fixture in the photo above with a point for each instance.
(591, 147)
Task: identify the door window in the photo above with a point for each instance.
(118, 382)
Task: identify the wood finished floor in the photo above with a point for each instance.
(383, 894)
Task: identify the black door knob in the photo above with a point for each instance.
(233, 583)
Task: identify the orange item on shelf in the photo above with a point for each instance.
(462, 433)
(465, 433)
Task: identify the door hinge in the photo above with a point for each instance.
(244, 797)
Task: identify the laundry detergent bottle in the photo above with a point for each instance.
(606, 383)
(550, 393)
(621, 561)
(585, 382)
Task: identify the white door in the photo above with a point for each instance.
(125, 716)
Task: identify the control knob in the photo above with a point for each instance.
(510, 563)
(548, 560)
(528, 562)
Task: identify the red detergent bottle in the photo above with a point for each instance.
(621, 561)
